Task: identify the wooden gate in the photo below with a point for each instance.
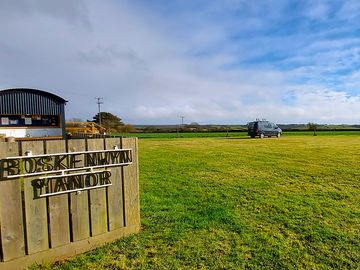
(44, 219)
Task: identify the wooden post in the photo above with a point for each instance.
(11, 210)
(58, 205)
(35, 208)
(98, 210)
(131, 184)
(79, 202)
(115, 192)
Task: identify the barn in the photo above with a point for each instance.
(31, 113)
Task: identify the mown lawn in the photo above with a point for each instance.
(220, 203)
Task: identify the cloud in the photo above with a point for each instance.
(350, 10)
(72, 12)
(318, 10)
(211, 61)
(322, 106)
(108, 56)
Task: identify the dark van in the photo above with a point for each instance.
(263, 128)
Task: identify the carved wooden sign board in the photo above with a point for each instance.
(62, 173)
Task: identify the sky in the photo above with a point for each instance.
(211, 61)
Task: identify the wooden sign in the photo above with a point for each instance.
(65, 172)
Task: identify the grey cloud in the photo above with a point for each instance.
(8, 51)
(70, 11)
(109, 56)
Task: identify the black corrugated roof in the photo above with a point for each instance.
(34, 91)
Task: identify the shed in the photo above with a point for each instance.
(31, 113)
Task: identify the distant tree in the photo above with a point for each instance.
(227, 130)
(74, 119)
(313, 127)
(128, 128)
(192, 127)
(149, 129)
(111, 122)
(74, 122)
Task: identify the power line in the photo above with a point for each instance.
(99, 102)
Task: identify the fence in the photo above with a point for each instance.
(59, 198)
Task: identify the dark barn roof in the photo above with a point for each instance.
(30, 101)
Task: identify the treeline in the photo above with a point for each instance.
(234, 128)
(111, 123)
(114, 124)
(189, 128)
(319, 127)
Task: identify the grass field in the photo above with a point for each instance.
(221, 203)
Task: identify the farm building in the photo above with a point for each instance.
(31, 113)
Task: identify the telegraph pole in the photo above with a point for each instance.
(182, 121)
(99, 102)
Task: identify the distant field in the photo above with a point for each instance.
(238, 203)
(184, 135)
(231, 134)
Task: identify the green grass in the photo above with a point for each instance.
(219, 203)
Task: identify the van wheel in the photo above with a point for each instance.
(262, 135)
(278, 135)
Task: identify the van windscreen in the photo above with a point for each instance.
(252, 125)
